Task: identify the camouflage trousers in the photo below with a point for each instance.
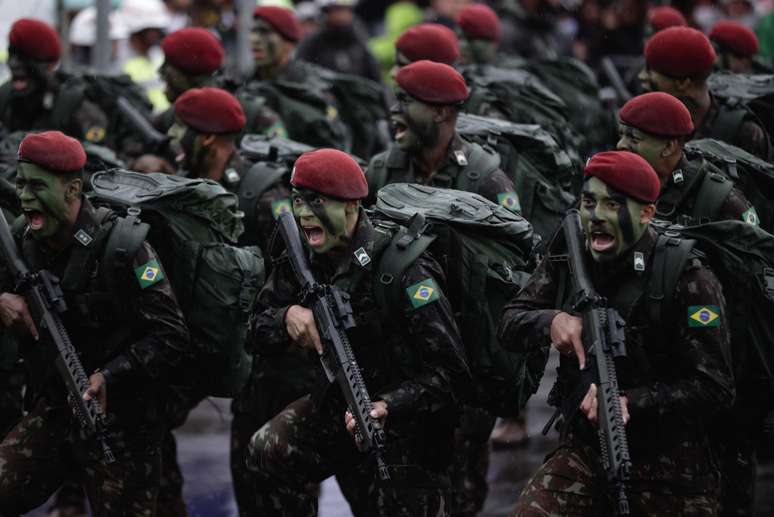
(306, 444)
(470, 461)
(11, 382)
(571, 482)
(40, 451)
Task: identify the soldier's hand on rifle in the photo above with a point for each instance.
(302, 329)
(16, 315)
(379, 412)
(97, 388)
(590, 403)
(566, 332)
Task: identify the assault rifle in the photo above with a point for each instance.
(333, 317)
(603, 335)
(156, 141)
(46, 303)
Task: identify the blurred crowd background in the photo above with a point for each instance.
(590, 30)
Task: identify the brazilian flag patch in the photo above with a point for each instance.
(280, 206)
(509, 200)
(750, 216)
(702, 316)
(422, 293)
(149, 273)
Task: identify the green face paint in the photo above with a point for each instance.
(413, 124)
(177, 82)
(265, 44)
(320, 238)
(477, 50)
(43, 200)
(611, 220)
(639, 142)
(188, 142)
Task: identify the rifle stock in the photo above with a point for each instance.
(333, 317)
(603, 336)
(45, 301)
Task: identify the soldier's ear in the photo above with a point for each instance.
(647, 213)
(73, 190)
(209, 139)
(684, 85)
(672, 147)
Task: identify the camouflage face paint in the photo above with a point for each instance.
(639, 142)
(413, 124)
(476, 50)
(318, 236)
(177, 82)
(43, 199)
(611, 220)
(265, 44)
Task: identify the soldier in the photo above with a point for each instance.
(124, 321)
(415, 396)
(655, 126)
(292, 88)
(208, 122)
(35, 97)
(673, 378)
(479, 34)
(736, 46)
(678, 61)
(426, 41)
(427, 148)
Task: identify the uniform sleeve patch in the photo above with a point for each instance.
(280, 206)
(509, 200)
(750, 216)
(702, 316)
(422, 293)
(149, 274)
(95, 134)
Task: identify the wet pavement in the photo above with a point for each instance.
(203, 452)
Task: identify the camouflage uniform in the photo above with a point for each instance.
(135, 335)
(750, 134)
(680, 202)
(87, 122)
(468, 166)
(675, 377)
(414, 361)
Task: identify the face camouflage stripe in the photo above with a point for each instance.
(149, 273)
(703, 316)
(422, 293)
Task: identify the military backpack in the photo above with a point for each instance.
(194, 226)
(742, 96)
(742, 257)
(753, 176)
(486, 252)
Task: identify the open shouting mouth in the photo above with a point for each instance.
(35, 219)
(601, 241)
(315, 235)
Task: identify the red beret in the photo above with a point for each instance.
(479, 21)
(433, 83)
(657, 113)
(736, 37)
(330, 172)
(193, 50)
(664, 17)
(680, 52)
(210, 110)
(627, 173)
(35, 39)
(283, 20)
(431, 41)
(53, 150)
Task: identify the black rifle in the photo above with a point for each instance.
(333, 317)
(46, 303)
(603, 335)
(156, 141)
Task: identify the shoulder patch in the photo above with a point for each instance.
(750, 216)
(95, 134)
(280, 206)
(701, 316)
(509, 200)
(149, 274)
(422, 293)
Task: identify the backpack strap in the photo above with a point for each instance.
(713, 192)
(379, 170)
(481, 165)
(70, 97)
(405, 247)
(79, 267)
(123, 243)
(726, 125)
(670, 257)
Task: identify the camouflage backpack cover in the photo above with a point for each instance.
(486, 252)
(544, 175)
(194, 226)
(753, 176)
(742, 257)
